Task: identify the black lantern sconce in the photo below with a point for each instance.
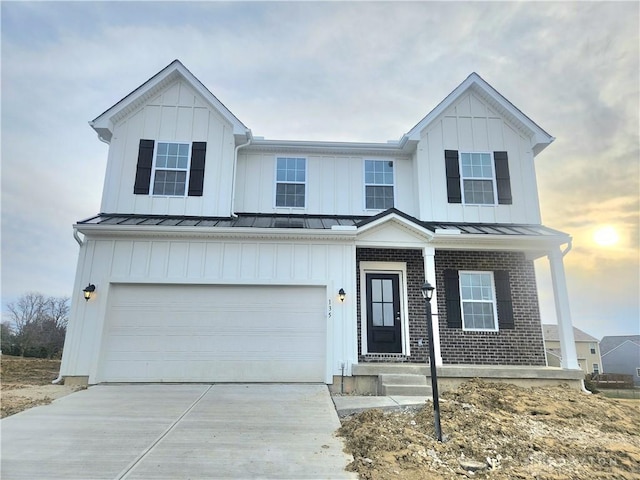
(88, 290)
(341, 294)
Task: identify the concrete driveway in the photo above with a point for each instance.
(178, 432)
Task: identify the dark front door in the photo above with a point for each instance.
(384, 333)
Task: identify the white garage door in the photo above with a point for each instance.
(198, 333)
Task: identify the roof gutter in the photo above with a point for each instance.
(234, 173)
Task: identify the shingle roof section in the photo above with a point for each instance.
(610, 342)
(551, 333)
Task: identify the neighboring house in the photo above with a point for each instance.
(621, 354)
(219, 256)
(587, 349)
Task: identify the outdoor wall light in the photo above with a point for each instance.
(427, 291)
(341, 294)
(88, 290)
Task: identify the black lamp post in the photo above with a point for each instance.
(427, 294)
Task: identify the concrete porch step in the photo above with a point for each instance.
(404, 384)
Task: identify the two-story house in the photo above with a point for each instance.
(587, 349)
(220, 256)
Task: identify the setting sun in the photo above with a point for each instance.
(606, 236)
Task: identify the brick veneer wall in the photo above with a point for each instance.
(417, 321)
(522, 345)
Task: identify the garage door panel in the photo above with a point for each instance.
(179, 333)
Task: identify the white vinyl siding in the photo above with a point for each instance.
(378, 184)
(478, 301)
(477, 174)
(291, 182)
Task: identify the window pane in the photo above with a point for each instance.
(379, 198)
(478, 192)
(387, 310)
(183, 162)
(387, 294)
(173, 149)
(376, 290)
(162, 148)
(183, 150)
(376, 314)
(290, 195)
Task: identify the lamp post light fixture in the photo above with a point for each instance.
(88, 290)
(341, 294)
(427, 294)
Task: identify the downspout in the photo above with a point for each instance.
(80, 242)
(77, 237)
(235, 164)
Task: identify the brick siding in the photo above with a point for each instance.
(522, 345)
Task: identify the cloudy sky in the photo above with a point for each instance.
(357, 71)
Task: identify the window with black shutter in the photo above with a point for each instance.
(478, 300)
(478, 178)
(168, 168)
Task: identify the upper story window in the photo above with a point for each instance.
(378, 184)
(167, 165)
(478, 178)
(291, 179)
(592, 348)
(596, 368)
(478, 301)
(171, 169)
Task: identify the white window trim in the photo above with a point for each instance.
(494, 302)
(595, 367)
(153, 170)
(493, 179)
(365, 184)
(276, 182)
(399, 268)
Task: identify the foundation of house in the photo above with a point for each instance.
(366, 378)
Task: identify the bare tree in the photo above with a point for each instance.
(40, 324)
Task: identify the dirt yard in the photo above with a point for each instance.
(500, 431)
(26, 383)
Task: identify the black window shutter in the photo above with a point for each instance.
(503, 299)
(454, 195)
(196, 174)
(503, 181)
(452, 299)
(143, 170)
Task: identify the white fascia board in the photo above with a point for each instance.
(394, 217)
(540, 138)
(538, 244)
(95, 231)
(103, 124)
(396, 148)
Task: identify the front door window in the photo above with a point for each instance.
(384, 333)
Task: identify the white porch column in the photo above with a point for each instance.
(563, 313)
(428, 255)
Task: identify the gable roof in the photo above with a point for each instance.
(550, 332)
(539, 138)
(611, 342)
(103, 124)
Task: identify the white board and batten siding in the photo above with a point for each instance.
(335, 184)
(471, 125)
(182, 285)
(177, 114)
